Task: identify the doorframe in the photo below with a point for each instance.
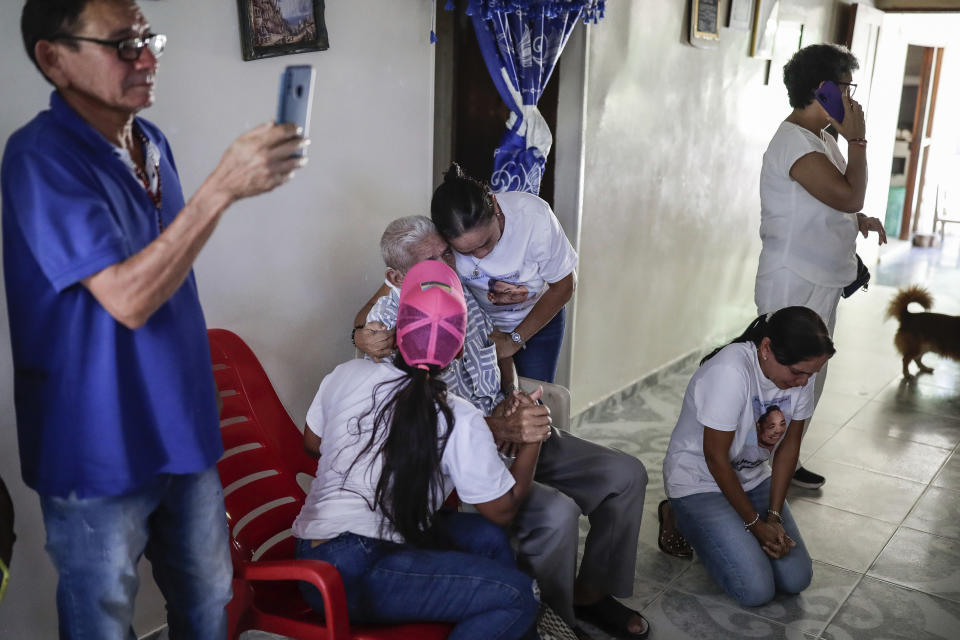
(922, 137)
(570, 149)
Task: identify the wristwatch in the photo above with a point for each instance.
(518, 340)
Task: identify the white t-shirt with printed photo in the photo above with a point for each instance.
(340, 498)
(532, 252)
(728, 393)
(799, 232)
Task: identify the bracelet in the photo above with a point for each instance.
(353, 334)
(858, 141)
(752, 522)
(776, 514)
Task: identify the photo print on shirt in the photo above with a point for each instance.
(771, 419)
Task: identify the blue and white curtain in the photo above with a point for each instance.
(521, 41)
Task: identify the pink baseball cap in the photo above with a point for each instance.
(432, 315)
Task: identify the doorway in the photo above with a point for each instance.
(922, 70)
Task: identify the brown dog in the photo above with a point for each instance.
(920, 333)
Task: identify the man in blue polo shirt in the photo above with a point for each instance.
(116, 405)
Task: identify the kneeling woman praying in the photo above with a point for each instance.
(747, 399)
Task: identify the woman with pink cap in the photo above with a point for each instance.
(393, 444)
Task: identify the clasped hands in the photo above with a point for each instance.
(523, 420)
(772, 537)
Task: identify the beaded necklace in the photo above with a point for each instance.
(156, 196)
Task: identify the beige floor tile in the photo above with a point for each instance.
(877, 609)
(860, 491)
(891, 456)
(921, 561)
(839, 537)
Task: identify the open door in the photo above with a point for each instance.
(863, 36)
(920, 143)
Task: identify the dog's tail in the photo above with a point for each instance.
(898, 306)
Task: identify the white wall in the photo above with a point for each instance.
(669, 230)
(288, 270)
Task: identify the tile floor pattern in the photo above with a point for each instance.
(884, 532)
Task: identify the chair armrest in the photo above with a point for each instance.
(555, 396)
(323, 575)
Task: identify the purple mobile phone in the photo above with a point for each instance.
(829, 96)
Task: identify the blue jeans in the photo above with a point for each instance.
(732, 556)
(95, 544)
(478, 586)
(538, 360)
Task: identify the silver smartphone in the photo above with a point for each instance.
(295, 100)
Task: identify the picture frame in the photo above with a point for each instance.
(271, 28)
(741, 14)
(765, 17)
(704, 23)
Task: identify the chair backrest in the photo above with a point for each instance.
(263, 454)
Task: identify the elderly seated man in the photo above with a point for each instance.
(573, 476)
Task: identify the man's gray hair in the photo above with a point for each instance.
(400, 236)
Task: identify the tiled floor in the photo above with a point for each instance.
(884, 531)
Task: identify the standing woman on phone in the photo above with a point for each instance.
(728, 502)
(810, 196)
(392, 445)
(514, 257)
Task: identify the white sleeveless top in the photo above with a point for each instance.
(799, 232)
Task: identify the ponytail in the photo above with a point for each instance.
(411, 451)
(460, 203)
(796, 334)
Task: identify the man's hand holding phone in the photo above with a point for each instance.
(267, 156)
(259, 161)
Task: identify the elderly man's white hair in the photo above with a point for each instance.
(400, 236)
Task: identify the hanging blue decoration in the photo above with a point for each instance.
(592, 11)
(521, 42)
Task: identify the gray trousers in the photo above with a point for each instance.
(575, 476)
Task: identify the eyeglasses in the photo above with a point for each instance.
(851, 87)
(128, 49)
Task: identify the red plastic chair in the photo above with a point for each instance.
(263, 456)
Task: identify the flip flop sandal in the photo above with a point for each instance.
(673, 543)
(611, 616)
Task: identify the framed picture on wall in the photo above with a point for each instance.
(279, 27)
(765, 16)
(704, 23)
